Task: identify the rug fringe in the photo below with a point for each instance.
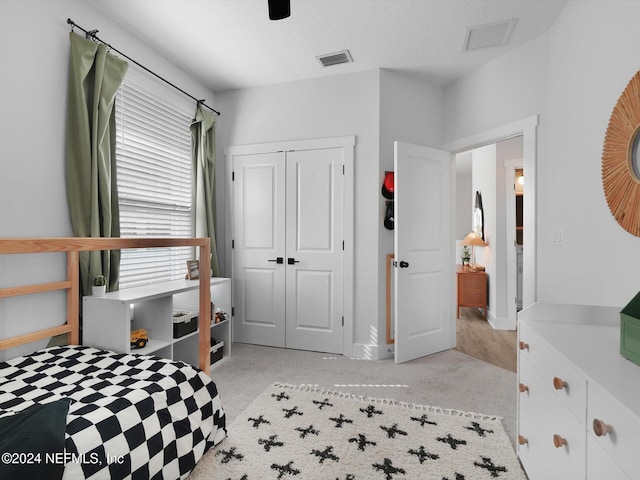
(385, 401)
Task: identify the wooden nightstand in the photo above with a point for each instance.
(472, 289)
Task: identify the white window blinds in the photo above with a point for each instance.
(153, 158)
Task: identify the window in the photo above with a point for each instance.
(153, 159)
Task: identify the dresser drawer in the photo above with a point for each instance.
(534, 452)
(620, 431)
(554, 423)
(600, 466)
(567, 383)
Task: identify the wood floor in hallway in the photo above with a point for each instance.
(477, 338)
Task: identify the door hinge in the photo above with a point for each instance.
(233, 311)
(233, 176)
(343, 320)
(233, 244)
(342, 244)
(343, 169)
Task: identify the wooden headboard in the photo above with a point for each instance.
(72, 246)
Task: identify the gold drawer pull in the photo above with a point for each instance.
(522, 440)
(558, 441)
(600, 428)
(524, 345)
(523, 388)
(558, 383)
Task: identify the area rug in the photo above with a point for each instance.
(308, 433)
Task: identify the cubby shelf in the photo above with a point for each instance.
(108, 321)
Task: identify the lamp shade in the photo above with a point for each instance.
(473, 240)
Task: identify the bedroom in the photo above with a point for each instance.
(570, 76)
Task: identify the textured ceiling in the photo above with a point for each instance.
(229, 44)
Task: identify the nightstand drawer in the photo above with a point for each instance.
(619, 430)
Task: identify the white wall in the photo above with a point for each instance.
(35, 39)
(465, 198)
(318, 108)
(572, 76)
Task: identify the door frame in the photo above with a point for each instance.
(528, 128)
(510, 227)
(347, 143)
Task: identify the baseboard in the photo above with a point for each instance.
(372, 352)
(499, 323)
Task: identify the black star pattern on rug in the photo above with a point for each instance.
(453, 442)
(458, 477)
(339, 421)
(281, 396)
(393, 430)
(269, 443)
(243, 477)
(388, 469)
(487, 463)
(229, 455)
(324, 403)
(371, 411)
(478, 429)
(423, 420)
(362, 442)
(349, 476)
(285, 469)
(325, 454)
(290, 412)
(307, 431)
(258, 421)
(423, 455)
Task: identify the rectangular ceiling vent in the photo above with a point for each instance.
(335, 58)
(489, 35)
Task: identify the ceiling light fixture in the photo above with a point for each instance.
(279, 9)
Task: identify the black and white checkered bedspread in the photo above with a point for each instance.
(131, 416)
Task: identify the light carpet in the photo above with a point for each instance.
(306, 432)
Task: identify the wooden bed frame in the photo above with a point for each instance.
(72, 246)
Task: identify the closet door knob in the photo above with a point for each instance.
(292, 261)
(600, 428)
(558, 441)
(404, 264)
(558, 383)
(522, 440)
(278, 260)
(523, 388)
(523, 346)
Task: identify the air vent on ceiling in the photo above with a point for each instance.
(335, 58)
(489, 34)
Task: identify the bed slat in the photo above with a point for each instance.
(34, 337)
(39, 288)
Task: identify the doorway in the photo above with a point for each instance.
(527, 129)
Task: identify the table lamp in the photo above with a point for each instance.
(473, 240)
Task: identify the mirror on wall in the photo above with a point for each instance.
(478, 216)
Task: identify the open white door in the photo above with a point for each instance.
(423, 308)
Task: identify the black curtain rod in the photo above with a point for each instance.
(91, 34)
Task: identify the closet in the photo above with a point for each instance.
(288, 241)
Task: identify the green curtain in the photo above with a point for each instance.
(203, 134)
(94, 78)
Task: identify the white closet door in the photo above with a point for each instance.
(314, 278)
(259, 240)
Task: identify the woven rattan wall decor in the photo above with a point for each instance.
(621, 145)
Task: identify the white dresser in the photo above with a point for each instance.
(579, 399)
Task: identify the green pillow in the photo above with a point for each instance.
(28, 436)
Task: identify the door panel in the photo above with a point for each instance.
(422, 300)
(314, 302)
(259, 202)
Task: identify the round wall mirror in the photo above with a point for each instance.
(621, 159)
